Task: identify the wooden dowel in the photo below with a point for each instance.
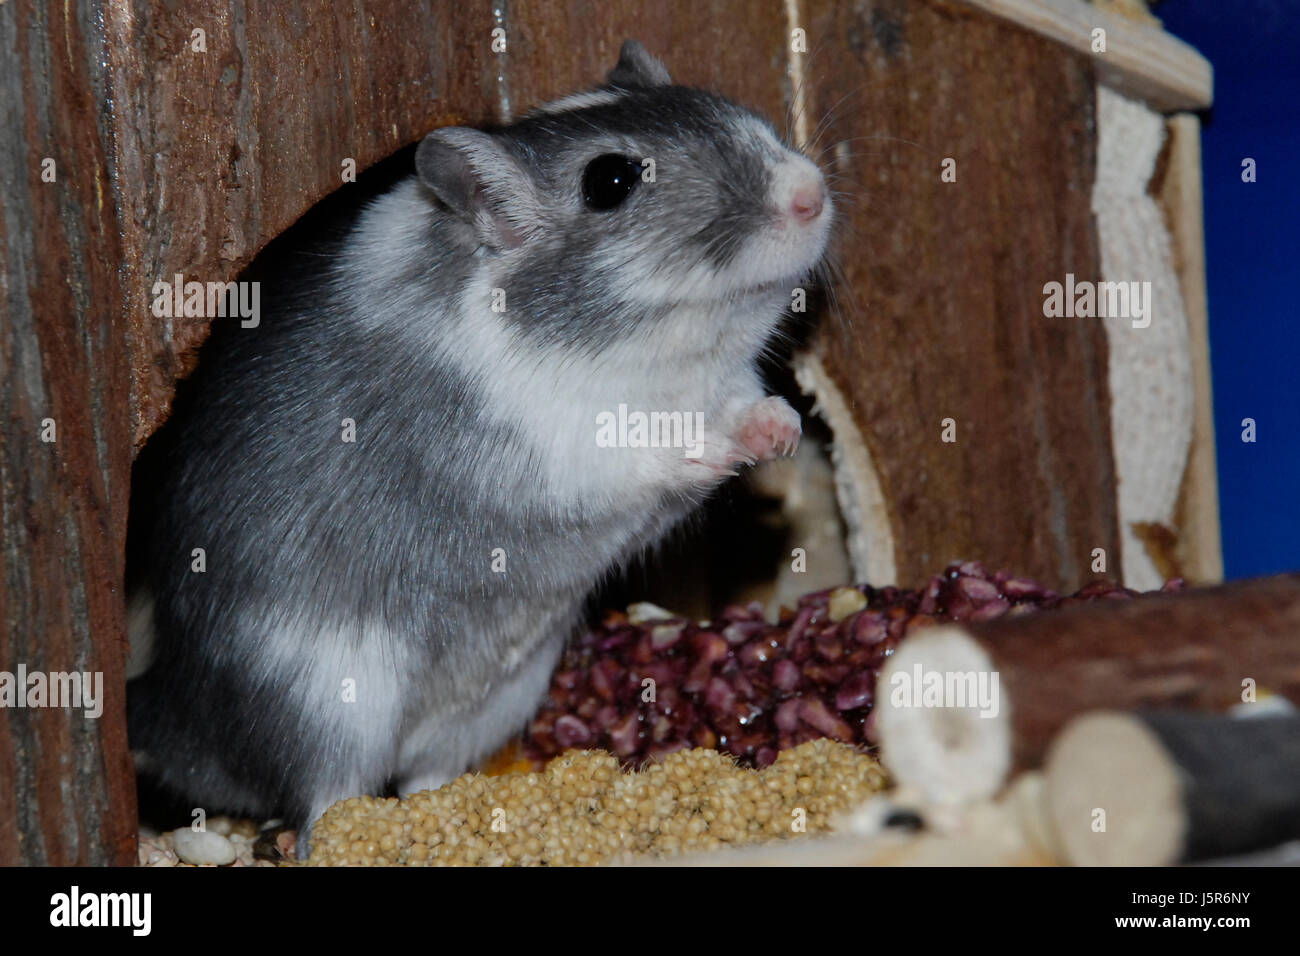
(1163, 788)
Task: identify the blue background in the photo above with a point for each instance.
(1252, 248)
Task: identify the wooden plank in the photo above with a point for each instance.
(562, 46)
(942, 301)
(1198, 548)
(218, 152)
(67, 793)
(1141, 59)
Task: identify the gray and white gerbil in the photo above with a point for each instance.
(386, 611)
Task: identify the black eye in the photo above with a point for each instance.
(608, 180)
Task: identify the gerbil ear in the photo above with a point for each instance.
(478, 180)
(637, 67)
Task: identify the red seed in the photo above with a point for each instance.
(752, 688)
(856, 691)
(785, 675)
(816, 713)
(787, 715)
(571, 732)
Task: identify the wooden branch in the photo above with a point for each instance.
(954, 753)
(1191, 650)
(1159, 789)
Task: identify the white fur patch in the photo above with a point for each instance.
(351, 680)
(140, 633)
(579, 101)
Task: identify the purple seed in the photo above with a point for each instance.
(817, 714)
(665, 635)
(978, 590)
(698, 678)
(755, 652)
(625, 735)
(787, 715)
(800, 624)
(869, 627)
(991, 610)
(741, 631)
(856, 691)
(828, 647)
(571, 732)
(709, 647)
(1018, 588)
(719, 696)
(785, 675)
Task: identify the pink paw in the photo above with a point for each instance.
(769, 429)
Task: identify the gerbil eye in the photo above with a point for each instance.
(608, 180)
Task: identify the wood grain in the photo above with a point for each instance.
(942, 302)
(218, 152)
(67, 794)
(1198, 549)
(1141, 59)
(1189, 651)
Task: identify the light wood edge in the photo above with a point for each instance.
(869, 535)
(1141, 60)
(1199, 547)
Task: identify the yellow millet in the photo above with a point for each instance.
(580, 810)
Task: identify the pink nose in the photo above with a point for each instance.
(807, 202)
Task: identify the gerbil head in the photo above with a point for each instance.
(634, 198)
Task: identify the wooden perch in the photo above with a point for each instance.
(1158, 789)
(950, 753)
(1196, 650)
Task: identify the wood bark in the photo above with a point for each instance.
(1174, 787)
(1192, 651)
(66, 790)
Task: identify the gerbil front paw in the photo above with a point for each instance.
(769, 429)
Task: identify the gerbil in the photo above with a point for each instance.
(388, 610)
